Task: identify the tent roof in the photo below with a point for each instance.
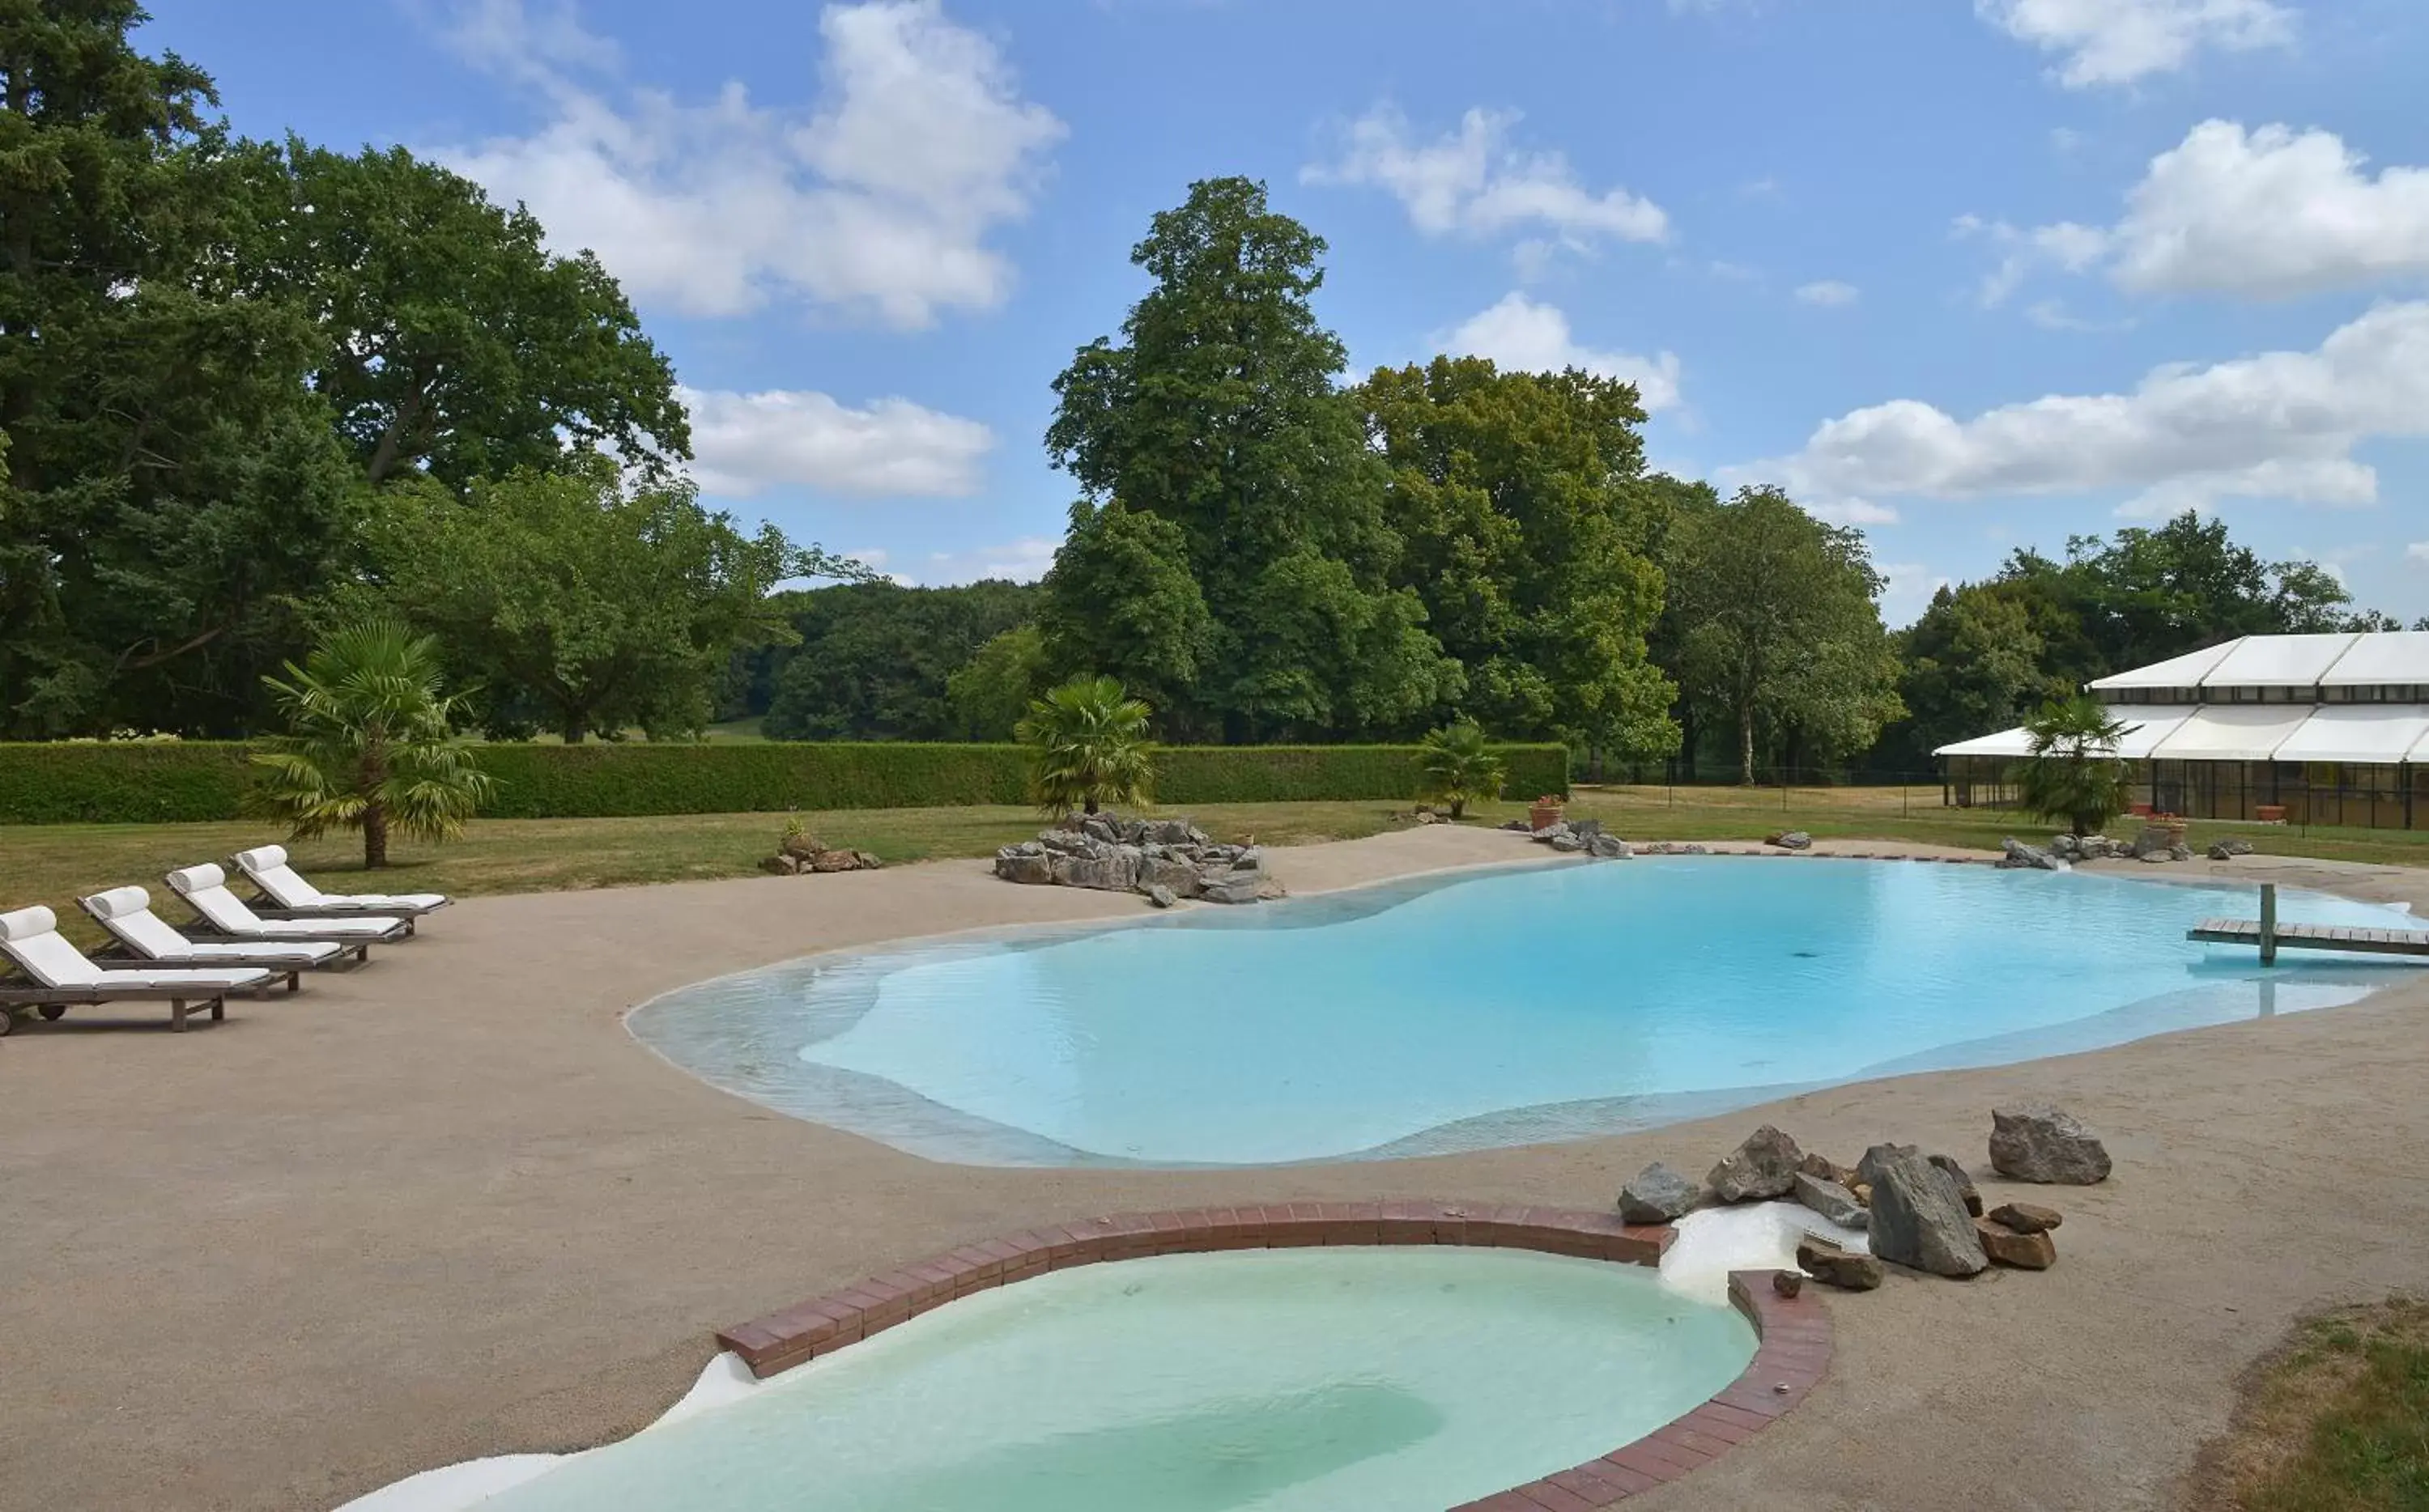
(2373, 733)
(2384, 657)
(2279, 661)
(2185, 671)
(2006, 743)
(2233, 733)
(2147, 727)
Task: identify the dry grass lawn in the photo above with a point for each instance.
(2334, 1420)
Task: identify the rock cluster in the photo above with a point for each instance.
(1165, 858)
(2046, 1144)
(2230, 848)
(1922, 1210)
(2087, 848)
(800, 855)
(1789, 840)
(1583, 837)
(1673, 847)
(2156, 842)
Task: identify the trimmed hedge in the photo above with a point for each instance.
(157, 782)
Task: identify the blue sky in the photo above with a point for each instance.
(1970, 273)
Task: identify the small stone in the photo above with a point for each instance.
(1787, 1283)
(2025, 1252)
(1763, 1166)
(2026, 1217)
(777, 865)
(1655, 1195)
(1832, 1201)
(1161, 895)
(1964, 1184)
(1847, 1270)
(2046, 1144)
(1863, 1191)
(1822, 1168)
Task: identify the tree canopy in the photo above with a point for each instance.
(1526, 541)
(1230, 556)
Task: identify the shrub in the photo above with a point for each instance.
(186, 781)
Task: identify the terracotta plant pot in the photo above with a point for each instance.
(1543, 815)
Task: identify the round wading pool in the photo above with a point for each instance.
(1504, 1008)
(1388, 1379)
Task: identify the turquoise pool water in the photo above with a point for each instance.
(1282, 1381)
(1483, 1010)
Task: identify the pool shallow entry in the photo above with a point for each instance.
(1282, 1381)
(1500, 1008)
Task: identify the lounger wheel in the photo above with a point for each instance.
(52, 1012)
(8, 1021)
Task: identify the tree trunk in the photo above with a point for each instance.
(1745, 745)
(574, 732)
(1089, 805)
(374, 838)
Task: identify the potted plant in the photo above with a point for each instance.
(1545, 812)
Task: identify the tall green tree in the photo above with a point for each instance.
(1972, 665)
(1218, 419)
(1777, 625)
(1526, 540)
(582, 605)
(989, 694)
(451, 340)
(172, 488)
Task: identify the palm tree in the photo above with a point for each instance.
(370, 743)
(1455, 767)
(2075, 772)
(1088, 746)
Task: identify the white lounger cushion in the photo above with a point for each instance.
(126, 912)
(267, 866)
(205, 887)
(32, 939)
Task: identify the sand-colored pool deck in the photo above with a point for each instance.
(446, 1206)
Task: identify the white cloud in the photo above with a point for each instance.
(2418, 552)
(1828, 291)
(880, 200)
(1023, 560)
(1523, 335)
(2262, 214)
(2270, 213)
(2119, 41)
(746, 444)
(1473, 182)
(1853, 512)
(2279, 425)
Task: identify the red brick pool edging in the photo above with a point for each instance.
(1792, 1353)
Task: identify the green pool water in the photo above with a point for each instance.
(1283, 1381)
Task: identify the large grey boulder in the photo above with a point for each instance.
(1917, 1220)
(1116, 869)
(1868, 1170)
(1791, 839)
(2019, 855)
(1231, 886)
(1169, 872)
(1656, 1195)
(2229, 849)
(1958, 1182)
(1025, 862)
(1831, 1200)
(2046, 1144)
(1160, 895)
(1764, 1166)
(1608, 847)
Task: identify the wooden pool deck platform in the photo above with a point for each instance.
(2271, 936)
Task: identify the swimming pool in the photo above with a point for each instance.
(1477, 1010)
(1286, 1380)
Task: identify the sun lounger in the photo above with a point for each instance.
(62, 977)
(285, 891)
(126, 914)
(205, 888)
